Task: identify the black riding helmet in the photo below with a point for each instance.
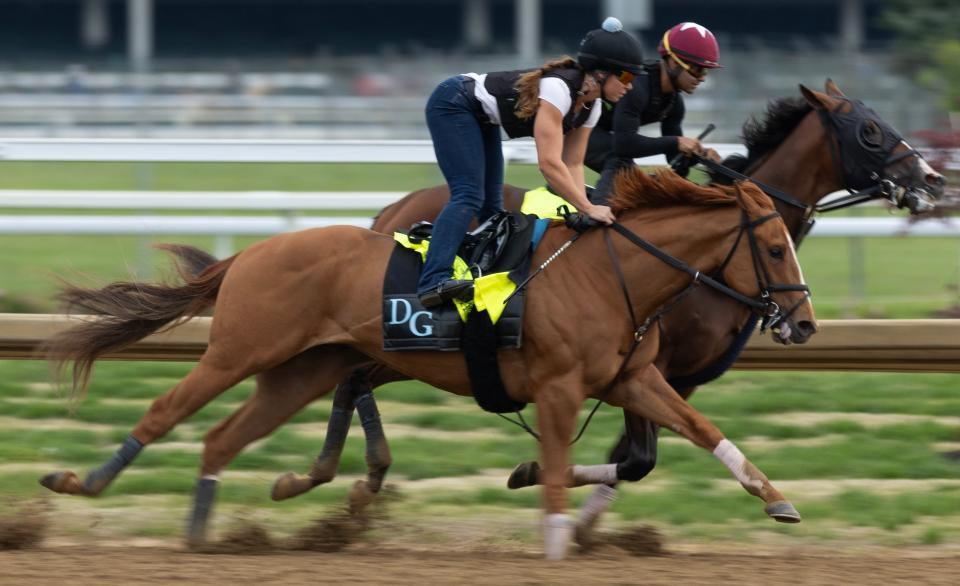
(610, 48)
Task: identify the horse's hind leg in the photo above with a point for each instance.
(650, 396)
(281, 392)
(355, 390)
(207, 380)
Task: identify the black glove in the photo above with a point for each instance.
(579, 221)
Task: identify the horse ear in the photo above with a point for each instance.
(815, 98)
(832, 89)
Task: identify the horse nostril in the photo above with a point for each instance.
(806, 327)
(935, 180)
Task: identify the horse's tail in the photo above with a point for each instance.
(129, 311)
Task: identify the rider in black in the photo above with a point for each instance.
(688, 51)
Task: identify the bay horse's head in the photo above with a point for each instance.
(869, 154)
(762, 264)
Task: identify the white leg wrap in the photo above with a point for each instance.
(557, 532)
(213, 477)
(597, 503)
(597, 474)
(733, 458)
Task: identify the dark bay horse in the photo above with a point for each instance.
(301, 310)
(808, 147)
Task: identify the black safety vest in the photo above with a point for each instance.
(500, 85)
(658, 105)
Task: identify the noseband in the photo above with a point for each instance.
(771, 314)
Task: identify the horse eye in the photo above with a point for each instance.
(776, 252)
(871, 134)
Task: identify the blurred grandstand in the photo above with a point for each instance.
(362, 68)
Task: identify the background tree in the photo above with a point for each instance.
(928, 43)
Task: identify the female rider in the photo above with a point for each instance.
(558, 104)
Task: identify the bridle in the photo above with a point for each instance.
(863, 171)
(770, 313)
(765, 307)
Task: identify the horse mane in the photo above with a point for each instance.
(635, 189)
(761, 136)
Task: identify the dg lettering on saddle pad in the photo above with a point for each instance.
(407, 325)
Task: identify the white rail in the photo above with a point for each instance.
(266, 225)
(259, 151)
(198, 200)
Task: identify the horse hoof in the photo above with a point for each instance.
(65, 482)
(525, 474)
(783, 512)
(585, 537)
(360, 497)
(290, 485)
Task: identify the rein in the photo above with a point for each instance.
(871, 161)
(769, 310)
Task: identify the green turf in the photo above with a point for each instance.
(694, 493)
(904, 277)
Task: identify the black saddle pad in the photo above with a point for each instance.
(407, 325)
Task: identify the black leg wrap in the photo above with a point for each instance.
(337, 429)
(327, 463)
(99, 478)
(369, 417)
(640, 455)
(206, 491)
(378, 454)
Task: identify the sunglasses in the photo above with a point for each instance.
(624, 77)
(697, 71)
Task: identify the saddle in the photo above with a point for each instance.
(497, 257)
(496, 245)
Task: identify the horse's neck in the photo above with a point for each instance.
(803, 167)
(696, 235)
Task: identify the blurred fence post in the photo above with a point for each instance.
(528, 30)
(858, 272)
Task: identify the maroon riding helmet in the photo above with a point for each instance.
(691, 43)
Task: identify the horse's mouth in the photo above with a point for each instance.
(785, 333)
(917, 200)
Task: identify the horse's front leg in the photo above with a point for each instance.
(325, 466)
(649, 395)
(557, 406)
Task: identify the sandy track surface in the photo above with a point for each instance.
(82, 565)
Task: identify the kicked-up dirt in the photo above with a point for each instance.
(106, 566)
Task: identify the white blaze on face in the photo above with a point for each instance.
(796, 259)
(925, 167)
(785, 329)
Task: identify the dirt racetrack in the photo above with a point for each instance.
(100, 565)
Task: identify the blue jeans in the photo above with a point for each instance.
(471, 159)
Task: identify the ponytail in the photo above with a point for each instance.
(528, 86)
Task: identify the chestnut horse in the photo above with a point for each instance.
(301, 310)
(795, 148)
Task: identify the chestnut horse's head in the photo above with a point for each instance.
(870, 154)
(758, 261)
(762, 263)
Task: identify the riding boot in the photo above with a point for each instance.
(447, 290)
